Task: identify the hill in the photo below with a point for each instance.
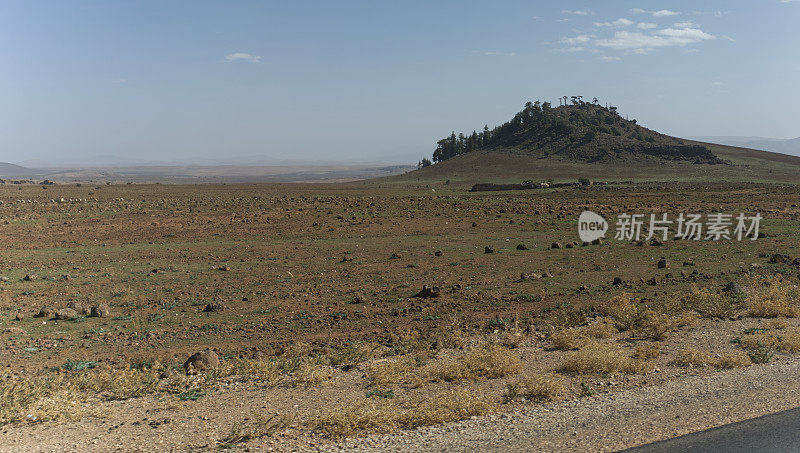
(582, 131)
(587, 140)
(8, 170)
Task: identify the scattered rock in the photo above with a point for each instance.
(79, 308)
(547, 274)
(488, 249)
(30, 277)
(556, 245)
(65, 313)
(734, 288)
(346, 258)
(201, 361)
(662, 263)
(522, 247)
(617, 281)
(214, 307)
(656, 242)
(358, 299)
(44, 312)
(437, 253)
(394, 256)
(474, 224)
(598, 241)
(100, 311)
(224, 268)
(570, 245)
(19, 317)
(429, 292)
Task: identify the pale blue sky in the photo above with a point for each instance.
(204, 80)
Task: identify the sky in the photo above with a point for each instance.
(239, 81)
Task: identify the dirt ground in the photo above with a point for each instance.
(338, 266)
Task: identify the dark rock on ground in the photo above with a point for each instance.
(201, 361)
(100, 311)
(429, 292)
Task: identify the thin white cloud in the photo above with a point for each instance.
(646, 25)
(638, 11)
(621, 22)
(576, 40)
(572, 49)
(664, 13)
(640, 43)
(607, 58)
(493, 53)
(578, 12)
(687, 24)
(242, 56)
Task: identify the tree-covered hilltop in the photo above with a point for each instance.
(578, 130)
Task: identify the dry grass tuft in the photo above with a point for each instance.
(788, 341)
(602, 329)
(567, 339)
(624, 309)
(490, 363)
(647, 351)
(772, 298)
(600, 358)
(549, 387)
(290, 372)
(653, 326)
(710, 304)
(384, 415)
(694, 357)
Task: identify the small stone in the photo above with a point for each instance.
(556, 245)
(488, 249)
(522, 247)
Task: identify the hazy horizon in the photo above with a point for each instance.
(365, 82)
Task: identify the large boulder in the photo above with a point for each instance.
(201, 361)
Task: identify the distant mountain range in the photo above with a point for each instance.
(776, 145)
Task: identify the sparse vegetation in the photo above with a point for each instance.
(381, 415)
(601, 358)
